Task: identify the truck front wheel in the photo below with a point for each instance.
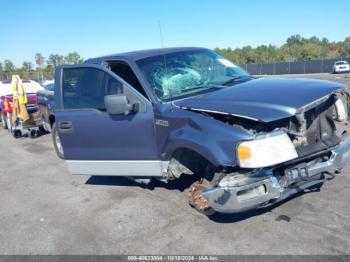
(197, 200)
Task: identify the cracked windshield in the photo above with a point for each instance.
(185, 74)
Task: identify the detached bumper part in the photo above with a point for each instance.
(244, 192)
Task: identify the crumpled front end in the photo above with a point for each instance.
(239, 192)
(286, 157)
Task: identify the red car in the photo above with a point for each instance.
(6, 107)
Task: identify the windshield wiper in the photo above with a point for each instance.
(232, 80)
(198, 87)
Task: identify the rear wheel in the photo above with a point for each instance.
(34, 134)
(57, 142)
(3, 122)
(16, 133)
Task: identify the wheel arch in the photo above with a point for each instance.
(52, 120)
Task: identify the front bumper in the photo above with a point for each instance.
(243, 192)
(341, 70)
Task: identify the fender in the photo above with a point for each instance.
(210, 138)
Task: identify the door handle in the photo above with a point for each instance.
(65, 126)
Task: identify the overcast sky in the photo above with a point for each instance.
(97, 27)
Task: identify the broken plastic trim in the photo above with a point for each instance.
(319, 101)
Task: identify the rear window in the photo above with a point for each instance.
(341, 63)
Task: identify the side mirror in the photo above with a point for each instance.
(118, 105)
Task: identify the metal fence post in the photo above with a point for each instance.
(260, 68)
(289, 67)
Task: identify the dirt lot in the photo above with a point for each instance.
(45, 210)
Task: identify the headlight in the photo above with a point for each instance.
(268, 150)
(342, 114)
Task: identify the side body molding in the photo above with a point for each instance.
(139, 168)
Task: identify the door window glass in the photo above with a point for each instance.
(87, 87)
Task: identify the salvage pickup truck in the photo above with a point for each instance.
(169, 113)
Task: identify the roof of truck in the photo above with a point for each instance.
(136, 55)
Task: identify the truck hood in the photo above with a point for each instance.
(263, 99)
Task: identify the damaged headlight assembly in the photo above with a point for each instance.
(266, 150)
(342, 114)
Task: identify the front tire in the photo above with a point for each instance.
(3, 122)
(197, 200)
(57, 142)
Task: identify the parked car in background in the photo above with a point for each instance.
(341, 67)
(47, 82)
(46, 103)
(167, 113)
(5, 89)
(19, 127)
(31, 88)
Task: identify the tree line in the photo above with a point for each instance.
(44, 69)
(295, 48)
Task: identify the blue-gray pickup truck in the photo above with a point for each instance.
(171, 113)
(46, 102)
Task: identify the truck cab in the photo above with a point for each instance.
(169, 113)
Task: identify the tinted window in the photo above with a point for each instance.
(86, 88)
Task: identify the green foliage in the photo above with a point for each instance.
(43, 71)
(295, 48)
(55, 60)
(27, 66)
(2, 74)
(73, 58)
(9, 67)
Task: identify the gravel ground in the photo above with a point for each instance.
(45, 210)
